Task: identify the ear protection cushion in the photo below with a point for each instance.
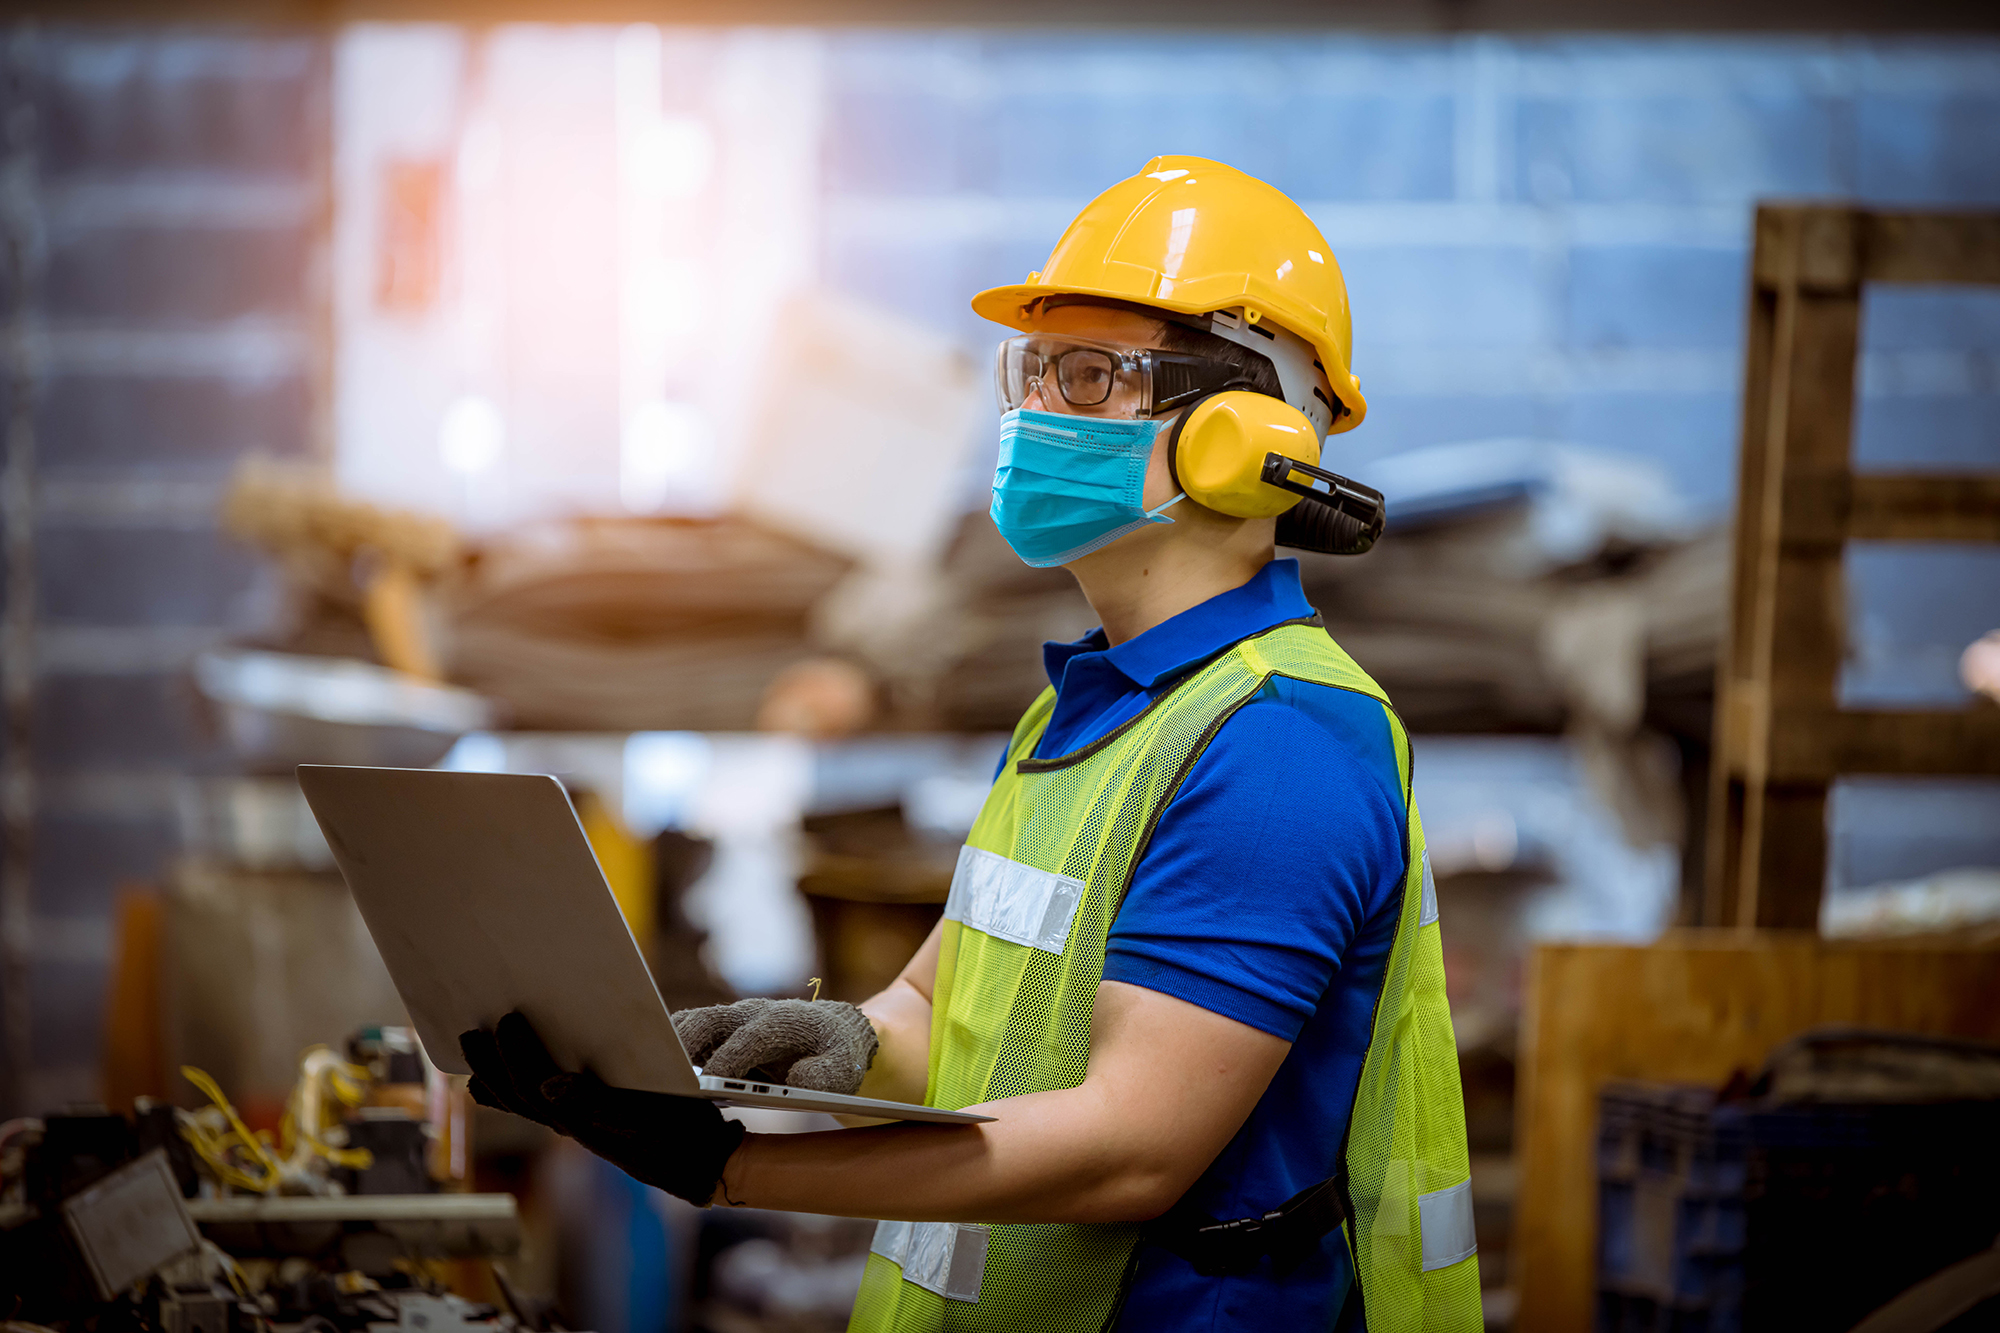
(1217, 450)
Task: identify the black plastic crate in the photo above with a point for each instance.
(1739, 1217)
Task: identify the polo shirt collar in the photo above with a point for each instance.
(1272, 596)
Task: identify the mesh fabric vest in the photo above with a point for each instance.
(1038, 884)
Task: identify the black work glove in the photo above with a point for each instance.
(679, 1144)
(824, 1045)
(494, 1081)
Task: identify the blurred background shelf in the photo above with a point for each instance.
(441, 1225)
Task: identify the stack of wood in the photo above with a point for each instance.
(1464, 643)
(686, 624)
(1464, 632)
(590, 624)
(1617, 651)
(637, 624)
(361, 577)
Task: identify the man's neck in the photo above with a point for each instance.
(1136, 586)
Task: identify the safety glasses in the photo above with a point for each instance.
(1052, 373)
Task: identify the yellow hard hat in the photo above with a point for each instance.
(1195, 236)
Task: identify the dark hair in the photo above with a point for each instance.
(1255, 366)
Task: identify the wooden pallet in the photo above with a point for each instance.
(1780, 735)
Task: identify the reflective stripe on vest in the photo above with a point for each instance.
(1021, 956)
(948, 1258)
(1010, 901)
(1445, 1217)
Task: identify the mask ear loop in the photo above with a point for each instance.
(1158, 513)
(1174, 437)
(1173, 452)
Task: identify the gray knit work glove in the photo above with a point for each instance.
(825, 1045)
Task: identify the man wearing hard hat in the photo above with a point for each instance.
(1192, 941)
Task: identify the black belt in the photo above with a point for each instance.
(1286, 1234)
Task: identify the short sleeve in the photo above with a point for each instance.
(1283, 841)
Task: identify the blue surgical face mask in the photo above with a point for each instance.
(1067, 486)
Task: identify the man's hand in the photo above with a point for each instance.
(496, 1083)
(824, 1045)
(679, 1144)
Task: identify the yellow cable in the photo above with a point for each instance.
(214, 1150)
(230, 1268)
(225, 1170)
(349, 1083)
(207, 1087)
(305, 1111)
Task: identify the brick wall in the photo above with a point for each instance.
(163, 198)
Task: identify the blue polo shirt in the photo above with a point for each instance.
(1267, 894)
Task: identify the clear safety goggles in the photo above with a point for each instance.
(1052, 373)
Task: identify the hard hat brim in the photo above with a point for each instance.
(1009, 305)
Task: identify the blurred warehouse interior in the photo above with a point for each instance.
(602, 399)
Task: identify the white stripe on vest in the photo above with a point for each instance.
(1445, 1219)
(1010, 901)
(948, 1258)
(1427, 911)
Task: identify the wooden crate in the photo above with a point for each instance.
(1693, 1008)
(1780, 736)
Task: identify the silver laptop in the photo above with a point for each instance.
(484, 897)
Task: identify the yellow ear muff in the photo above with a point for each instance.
(1218, 447)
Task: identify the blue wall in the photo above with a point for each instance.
(1542, 236)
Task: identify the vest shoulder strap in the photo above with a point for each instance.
(1029, 729)
(1307, 651)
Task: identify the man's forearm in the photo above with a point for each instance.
(1169, 1084)
(902, 1018)
(1052, 1157)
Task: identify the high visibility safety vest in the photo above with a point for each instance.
(1039, 880)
